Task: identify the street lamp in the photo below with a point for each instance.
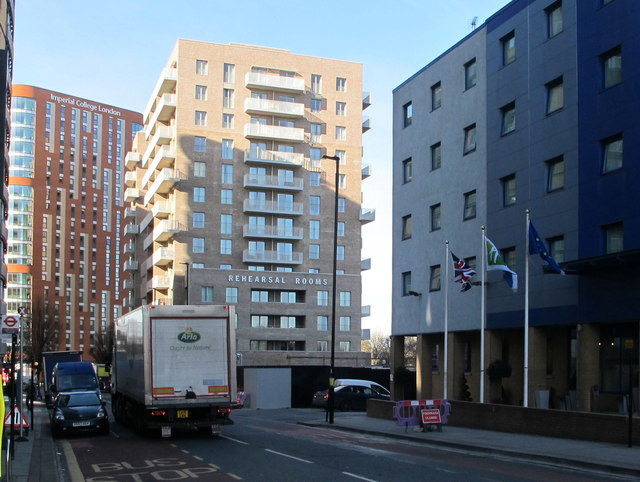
(331, 400)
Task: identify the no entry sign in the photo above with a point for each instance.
(10, 323)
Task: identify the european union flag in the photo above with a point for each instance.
(537, 246)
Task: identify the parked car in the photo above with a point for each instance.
(348, 397)
(363, 383)
(75, 412)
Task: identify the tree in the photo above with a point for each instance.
(380, 348)
(102, 350)
(45, 329)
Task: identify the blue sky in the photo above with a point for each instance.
(113, 51)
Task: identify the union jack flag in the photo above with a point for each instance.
(462, 273)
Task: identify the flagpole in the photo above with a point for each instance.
(446, 317)
(525, 391)
(482, 315)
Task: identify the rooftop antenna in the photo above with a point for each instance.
(474, 22)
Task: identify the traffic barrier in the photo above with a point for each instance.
(422, 412)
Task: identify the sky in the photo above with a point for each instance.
(113, 51)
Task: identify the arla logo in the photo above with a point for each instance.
(189, 336)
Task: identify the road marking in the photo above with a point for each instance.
(234, 440)
(358, 476)
(198, 458)
(445, 470)
(289, 456)
(72, 462)
(214, 466)
(237, 477)
(184, 451)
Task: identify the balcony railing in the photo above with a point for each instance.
(130, 212)
(129, 247)
(164, 109)
(162, 256)
(130, 178)
(166, 229)
(132, 159)
(366, 124)
(365, 264)
(163, 136)
(273, 207)
(290, 159)
(367, 215)
(166, 83)
(365, 310)
(127, 284)
(131, 194)
(131, 265)
(263, 80)
(273, 107)
(366, 100)
(164, 182)
(161, 209)
(273, 182)
(159, 283)
(276, 133)
(274, 232)
(271, 257)
(131, 228)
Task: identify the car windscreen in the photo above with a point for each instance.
(78, 399)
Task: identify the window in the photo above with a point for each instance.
(436, 156)
(323, 345)
(314, 229)
(470, 139)
(470, 74)
(613, 238)
(226, 223)
(259, 296)
(341, 109)
(229, 73)
(228, 98)
(555, 95)
(341, 133)
(469, 205)
(554, 18)
(345, 323)
(341, 205)
(556, 248)
(201, 92)
(435, 358)
(227, 148)
(316, 132)
(227, 174)
(315, 178)
(340, 228)
(202, 67)
(612, 67)
(314, 205)
(226, 196)
(508, 118)
(436, 222)
(612, 154)
(407, 226)
(344, 346)
(323, 298)
(198, 220)
(322, 323)
(231, 295)
(340, 253)
(342, 181)
(199, 169)
(555, 174)
(436, 96)
(227, 121)
(225, 246)
(201, 118)
(198, 194)
(434, 278)
(314, 251)
(508, 190)
(406, 283)
(316, 83)
(316, 105)
(509, 257)
(197, 245)
(341, 84)
(200, 144)
(508, 48)
(206, 294)
(345, 298)
(407, 171)
(407, 114)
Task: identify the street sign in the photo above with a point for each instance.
(10, 323)
(430, 415)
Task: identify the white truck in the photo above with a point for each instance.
(174, 367)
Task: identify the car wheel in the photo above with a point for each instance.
(345, 406)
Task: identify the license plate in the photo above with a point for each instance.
(183, 414)
(81, 424)
(166, 431)
(216, 429)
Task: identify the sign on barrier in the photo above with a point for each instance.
(430, 415)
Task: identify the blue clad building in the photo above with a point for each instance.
(536, 111)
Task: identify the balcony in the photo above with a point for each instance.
(166, 229)
(164, 182)
(273, 107)
(365, 310)
(159, 283)
(129, 247)
(367, 215)
(273, 182)
(272, 232)
(161, 209)
(272, 207)
(271, 257)
(289, 159)
(132, 159)
(131, 228)
(130, 178)
(128, 284)
(274, 133)
(366, 171)
(128, 303)
(162, 257)
(131, 265)
(366, 100)
(366, 124)
(263, 80)
(163, 136)
(131, 195)
(166, 83)
(365, 264)
(130, 212)
(164, 110)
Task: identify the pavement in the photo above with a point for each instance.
(36, 459)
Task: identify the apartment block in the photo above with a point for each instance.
(231, 199)
(66, 213)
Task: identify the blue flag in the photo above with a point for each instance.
(537, 246)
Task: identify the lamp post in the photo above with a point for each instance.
(331, 400)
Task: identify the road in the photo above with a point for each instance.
(269, 445)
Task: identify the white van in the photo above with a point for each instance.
(362, 383)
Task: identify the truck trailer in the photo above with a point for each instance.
(174, 368)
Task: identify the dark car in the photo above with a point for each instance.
(75, 412)
(348, 397)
